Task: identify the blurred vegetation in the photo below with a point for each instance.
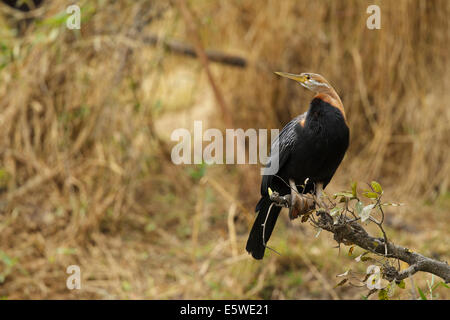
(86, 117)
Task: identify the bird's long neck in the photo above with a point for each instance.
(330, 96)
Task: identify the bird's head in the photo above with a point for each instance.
(312, 81)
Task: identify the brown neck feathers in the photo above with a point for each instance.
(331, 97)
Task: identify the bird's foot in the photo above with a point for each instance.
(298, 204)
(301, 205)
(320, 198)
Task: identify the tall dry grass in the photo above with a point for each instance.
(85, 174)
(393, 82)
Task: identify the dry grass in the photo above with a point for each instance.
(85, 171)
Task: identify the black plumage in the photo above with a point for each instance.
(311, 146)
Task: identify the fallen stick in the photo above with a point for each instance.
(179, 47)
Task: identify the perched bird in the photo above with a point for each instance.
(311, 147)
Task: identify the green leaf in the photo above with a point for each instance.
(354, 193)
(361, 256)
(55, 20)
(8, 261)
(151, 226)
(126, 286)
(392, 204)
(371, 195)
(376, 187)
(444, 284)
(422, 295)
(343, 194)
(198, 171)
(66, 251)
(401, 284)
(335, 213)
(366, 258)
(440, 284)
(383, 295)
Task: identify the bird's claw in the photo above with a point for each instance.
(300, 206)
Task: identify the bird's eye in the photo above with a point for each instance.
(308, 77)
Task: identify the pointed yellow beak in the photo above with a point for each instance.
(297, 77)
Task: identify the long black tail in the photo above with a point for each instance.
(255, 243)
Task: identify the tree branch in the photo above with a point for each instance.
(349, 231)
(188, 50)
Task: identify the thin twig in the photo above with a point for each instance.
(264, 229)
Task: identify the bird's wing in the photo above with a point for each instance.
(284, 142)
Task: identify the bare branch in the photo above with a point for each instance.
(349, 231)
(188, 50)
